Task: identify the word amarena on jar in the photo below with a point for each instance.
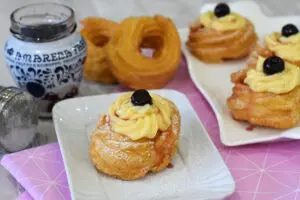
(45, 58)
(52, 57)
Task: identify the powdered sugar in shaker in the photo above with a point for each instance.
(18, 119)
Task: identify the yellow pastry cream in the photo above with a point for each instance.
(138, 122)
(278, 83)
(230, 22)
(285, 47)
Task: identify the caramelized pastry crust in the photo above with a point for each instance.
(97, 33)
(213, 46)
(130, 66)
(262, 50)
(267, 109)
(119, 156)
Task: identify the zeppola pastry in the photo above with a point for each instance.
(130, 66)
(221, 35)
(97, 33)
(267, 95)
(139, 134)
(285, 45)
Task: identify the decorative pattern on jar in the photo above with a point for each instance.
(45, 54)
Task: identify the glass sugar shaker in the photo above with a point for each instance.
(18, 119)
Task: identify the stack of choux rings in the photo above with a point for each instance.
(123, 51)
(97, 33)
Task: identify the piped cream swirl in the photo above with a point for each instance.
(285, 47)
(282, 82)
(138, 122)
(230, 22)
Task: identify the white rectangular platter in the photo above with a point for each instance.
(198, 173)
(213, 80)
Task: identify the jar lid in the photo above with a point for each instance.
(42, 22)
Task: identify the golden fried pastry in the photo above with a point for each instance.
(285, 45)
(97, 33)
(221, 35)
(268, 95)
(138, 135)
(132, 68)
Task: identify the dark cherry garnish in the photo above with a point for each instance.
(170, 165)
(141, 98)
(221, 10)
(288, 30)
(250, 127)
(273, 65)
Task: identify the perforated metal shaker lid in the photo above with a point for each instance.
(19, 118)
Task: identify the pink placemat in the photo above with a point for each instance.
(40, 171)
(261, 172)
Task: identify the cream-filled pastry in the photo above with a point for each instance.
(139, 134)
(267, 95)
(281, 79)
(221, 35)
(285, 44)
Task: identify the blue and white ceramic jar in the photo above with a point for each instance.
(45, 54)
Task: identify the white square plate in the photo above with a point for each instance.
(198, 173)
(213, 80)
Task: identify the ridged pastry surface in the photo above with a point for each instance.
(130, 66)
(119, 156)
(212, 46)
(262, 50)
(280, 111)
(97, 33)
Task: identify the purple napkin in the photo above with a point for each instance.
(40, 171)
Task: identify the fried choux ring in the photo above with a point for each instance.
(285, 44)
(267, 109)
(130, 66)
(259, 50)
(262, 50)
(214, 46)
(97, 33)
(120, 156)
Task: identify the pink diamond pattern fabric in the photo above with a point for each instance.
(262, 171)
(25, 196)
(40, 171)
